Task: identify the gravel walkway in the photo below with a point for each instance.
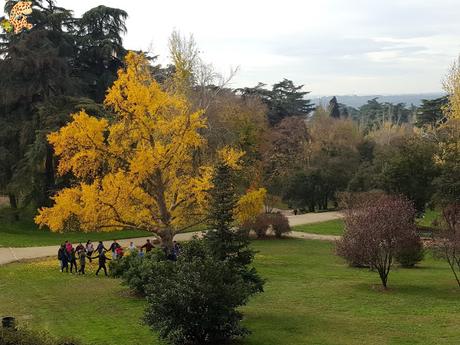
(8, 255)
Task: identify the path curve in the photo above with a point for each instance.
(8, 255)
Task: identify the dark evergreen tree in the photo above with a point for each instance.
(430, 111)
(59, 66)
(283, 100)
(101, 51)
(334, 109)
(225, 241)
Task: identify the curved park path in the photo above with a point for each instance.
(8, 255)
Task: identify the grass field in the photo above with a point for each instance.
(311, 297)
(332, 227)
(24, 233)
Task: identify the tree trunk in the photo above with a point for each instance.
(167, 237)
(50, 183)
(13, 201)
(14, 206)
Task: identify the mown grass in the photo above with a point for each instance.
(332, 227)
(25, 233)
(311, 297)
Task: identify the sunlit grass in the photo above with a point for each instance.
(311, 297)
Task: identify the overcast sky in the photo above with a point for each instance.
(330, 46)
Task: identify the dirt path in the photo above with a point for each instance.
(8, 255)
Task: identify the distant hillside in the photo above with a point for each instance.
(357, 101)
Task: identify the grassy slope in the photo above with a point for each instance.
(311, 298)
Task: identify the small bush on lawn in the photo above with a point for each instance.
(195, 299)
(410, 251)
(25, 337)
(280, 224)
(262, 223)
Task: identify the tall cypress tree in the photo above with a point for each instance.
(225, 242)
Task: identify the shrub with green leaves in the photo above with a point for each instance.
(137, 271)
(195, 300)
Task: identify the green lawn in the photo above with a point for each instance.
(311, 297)
(24, 233)
(428, 217)
(332, 227)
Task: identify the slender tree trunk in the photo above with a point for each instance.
(13, 201)
(49, 176)
(14, 205)
(452, 267)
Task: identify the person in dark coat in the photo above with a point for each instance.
(148, 246)
(61, 253)
(64, 260)
(82, 258)
(102, 261)
(100, 248)
(73, 260)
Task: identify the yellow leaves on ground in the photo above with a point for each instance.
(250, 205)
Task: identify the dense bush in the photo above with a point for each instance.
(262, 223)
(259, 225)
(25, 337)
(137, 271)
(280, 224)
(410, 251)
(195, 299)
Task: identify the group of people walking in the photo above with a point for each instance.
(70, 256)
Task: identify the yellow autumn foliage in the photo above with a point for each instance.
(231, 157)
(250, 205)
(448, 133)
(137, 170)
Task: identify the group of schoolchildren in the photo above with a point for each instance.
(69, 256)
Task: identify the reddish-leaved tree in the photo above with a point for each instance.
(375, 227)
(447, 243)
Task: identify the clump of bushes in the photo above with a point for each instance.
(264, 221)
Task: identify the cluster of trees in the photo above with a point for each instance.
(336, 153)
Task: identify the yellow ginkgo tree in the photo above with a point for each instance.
(137, 170)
